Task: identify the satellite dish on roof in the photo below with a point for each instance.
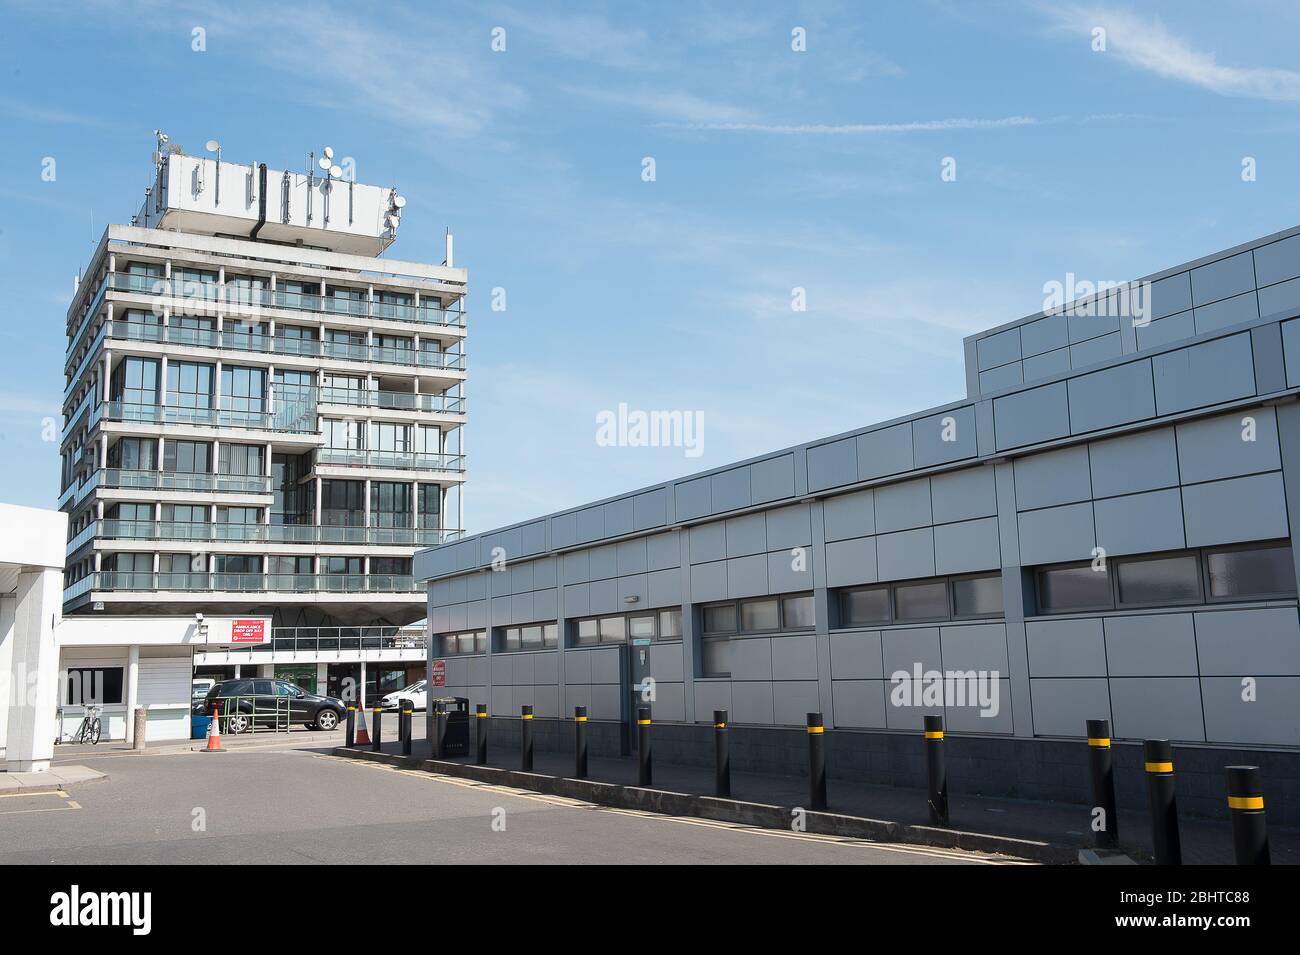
(324, 163)
(336, 171)
(329, 152)
(399, 201)
(212, 145)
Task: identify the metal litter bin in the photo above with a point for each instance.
(457, 724)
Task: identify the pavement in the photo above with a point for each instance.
(57, 777)
(289, 802)
(1204, 841)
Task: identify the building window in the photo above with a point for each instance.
(101, 686)
(135, 381)
(189, 385)
(760, 615)
(134, 454)
(1179, 578)
(187, 457)
(342, 503)
(619, 628)
(530, 636)
(242, 459)
(914, 601)
(390, 504)
(472, 641)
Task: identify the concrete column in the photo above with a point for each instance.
(133, 686)
(322, 678)
(361, 690)
(34, 669)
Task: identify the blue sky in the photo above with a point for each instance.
(775, 170)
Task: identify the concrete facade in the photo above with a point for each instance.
(1129, 505)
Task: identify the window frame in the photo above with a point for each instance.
(1199, 554)
(737, 604)
(890, 588)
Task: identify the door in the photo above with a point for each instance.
(299, 711)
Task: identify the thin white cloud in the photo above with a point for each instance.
(36, 113)
(676, 106)
(858, 129)
(1145, 43)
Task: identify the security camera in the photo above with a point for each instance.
(198, 618)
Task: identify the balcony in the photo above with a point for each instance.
(182, 481)
(314, 639)
(295, 419)
(271, 533)
(256, 342)
(248, 300)
(392, 400)
(400, 460)
(213, 582)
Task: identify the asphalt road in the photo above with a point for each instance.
(274, 803)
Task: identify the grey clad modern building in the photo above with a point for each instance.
(1100, 529)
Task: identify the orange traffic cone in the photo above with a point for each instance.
(362, 737)
(214, 735)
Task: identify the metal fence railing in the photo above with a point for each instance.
(238, 715)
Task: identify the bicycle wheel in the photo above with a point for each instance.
(95, 730)
(81, 733)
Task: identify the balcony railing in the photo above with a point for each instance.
(237, 339)
(404, 460)
(242, 299)
(297, 419)
(183, 481)
(217, 582)
(391, 400)
(342, 638)
(272, 533)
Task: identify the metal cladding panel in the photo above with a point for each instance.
(1235, 511)
(857, 656)
(944, 437)
(1111, 397)
(903, 506)
(1272, 718)
(1066, 648)
(886, 451)
(789, 526)
(1027, 417)
(772, 479)
(1223, 279)
(1140, 523)
(1145, 461)
(1228, 446)
(905, 554)
(1273, 648)
(1057, 534)
(967, 546)
(1044, 335)
(963, 495)
(1157, 708)
(1204, 374)
(746, 535)
(1052, 477)
(1062, 707)
(1171, 295)
(851, 562)
(849, 515)
(1161, 644)
(832, 465)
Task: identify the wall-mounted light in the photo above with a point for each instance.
(631, 599)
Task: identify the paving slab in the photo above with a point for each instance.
(56, 777)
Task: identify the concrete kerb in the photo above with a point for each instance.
(729, 810)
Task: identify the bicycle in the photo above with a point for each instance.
(90, 729)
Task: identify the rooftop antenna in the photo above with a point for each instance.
(332, 172)
(215, 147)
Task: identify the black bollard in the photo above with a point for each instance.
(643, 768)
(526, 738)
(579, 742)
(480, 732)
(439, 730)
(1246, 809)
(721, 755)
(408, 717)
(816, 762)
(350, 736)
(375, 744)
(938, 773)
(1103, 782)
(1158, 759)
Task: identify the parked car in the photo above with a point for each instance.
(244, 703)
(417, 693)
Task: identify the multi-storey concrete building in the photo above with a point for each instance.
(1100, 529)
(264, 415)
